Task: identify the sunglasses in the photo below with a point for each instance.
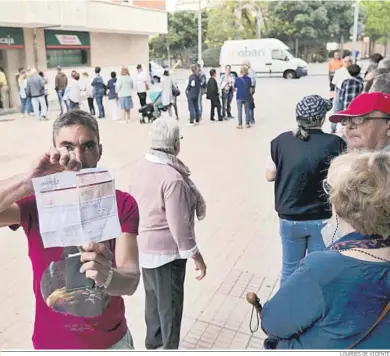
(359, 120)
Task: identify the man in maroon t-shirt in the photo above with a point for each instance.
(75, 318)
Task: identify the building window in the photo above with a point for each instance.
(67, 57)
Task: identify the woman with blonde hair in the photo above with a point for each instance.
(339, 298)
(124, 89)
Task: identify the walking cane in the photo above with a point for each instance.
(254, 300)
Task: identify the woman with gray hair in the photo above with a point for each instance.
(168, 201)
(298, 164)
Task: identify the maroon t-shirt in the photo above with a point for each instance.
(82, 319)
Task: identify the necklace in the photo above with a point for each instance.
(366, 253)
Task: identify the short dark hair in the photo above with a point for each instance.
(228, 65)
(213, 72)
(113, 75)
(166, 73)
(76, 117)
(376, 57)
(194, 68)
(97, 70)
(76, 76)
(354, 70)
(139, 66)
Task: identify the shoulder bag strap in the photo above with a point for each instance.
(369, 331)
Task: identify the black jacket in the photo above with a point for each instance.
(193, 87)
(212, 89)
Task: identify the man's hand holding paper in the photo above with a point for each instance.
(97, 262)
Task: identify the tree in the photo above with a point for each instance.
(377, 24)
(313, 23)
(182, 35)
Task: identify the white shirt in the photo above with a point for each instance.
(140, 80)
(339, 76)
(74, 90)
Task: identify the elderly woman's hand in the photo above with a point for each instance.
(200, 266)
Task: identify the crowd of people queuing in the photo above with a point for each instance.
(243, 85)
(163, 93)
(72, 92)
(331, 195)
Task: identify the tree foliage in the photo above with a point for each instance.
(312, 23)
(182, 35)
(377, 24)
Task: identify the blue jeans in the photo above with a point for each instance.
(227, 98)
(240, 103)
(193, 108)
(99, 102)
(29, 106)
(299, 238)
(200, 104)
(23, 105)
(60, 96)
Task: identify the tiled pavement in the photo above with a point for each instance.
(239, 238)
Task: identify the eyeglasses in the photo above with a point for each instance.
(326, 187)
(359, 120)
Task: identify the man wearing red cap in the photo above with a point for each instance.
(366, 122)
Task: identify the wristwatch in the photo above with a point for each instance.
(108, 281)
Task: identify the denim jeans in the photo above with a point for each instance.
(200, 103)
(126, 343)
(99, 102)
(244, 103)
(193, 108)
(23, 105)
(29, 106)
(299, 238)
(60, 95)
(227, 98)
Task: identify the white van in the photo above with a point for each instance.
(268, 56)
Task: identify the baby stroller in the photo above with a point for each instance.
(153, 109)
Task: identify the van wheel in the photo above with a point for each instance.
(290, 74)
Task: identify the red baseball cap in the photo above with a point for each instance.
(364, 104)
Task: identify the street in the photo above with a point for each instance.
(238, 239)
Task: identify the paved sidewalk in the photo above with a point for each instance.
(239, 238)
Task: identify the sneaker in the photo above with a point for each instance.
(190, 124)
(239, 127)
(248, 126)
(196, 123)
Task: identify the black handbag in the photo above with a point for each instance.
(175, 91)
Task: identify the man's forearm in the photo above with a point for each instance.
(124, 281)
(13, 189)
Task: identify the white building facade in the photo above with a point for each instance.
(76, 35)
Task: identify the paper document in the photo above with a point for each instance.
(77, 207)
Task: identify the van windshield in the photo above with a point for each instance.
(288, 54)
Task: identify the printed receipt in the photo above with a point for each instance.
(77, 207)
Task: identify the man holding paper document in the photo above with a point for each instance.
(78, 287)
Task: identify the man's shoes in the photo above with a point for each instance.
(239, 127)
(212, 119)
(190, 124)
(248, 126)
